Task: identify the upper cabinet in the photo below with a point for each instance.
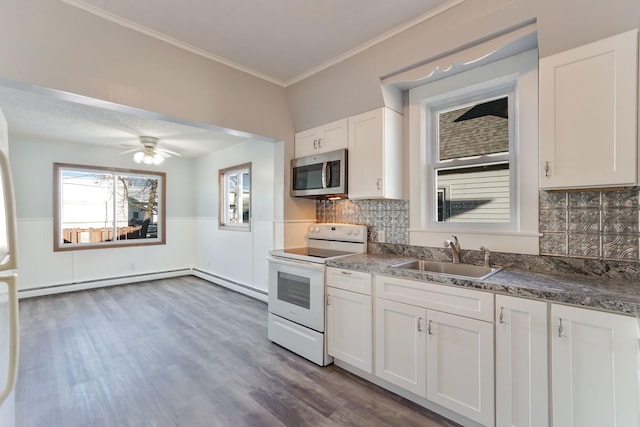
(375, 155)
(589, 115)
(321, 139)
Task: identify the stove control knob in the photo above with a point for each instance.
(350, 232)
(316, 230)
(357, 232)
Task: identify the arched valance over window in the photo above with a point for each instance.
(484, 51)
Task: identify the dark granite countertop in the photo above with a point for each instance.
(600, 293)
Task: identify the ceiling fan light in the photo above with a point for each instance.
(157, 159)
(147, 159)
(138, 157)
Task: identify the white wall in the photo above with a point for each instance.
(32, 165)
(237, 256)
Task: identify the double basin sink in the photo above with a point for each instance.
(449, 269)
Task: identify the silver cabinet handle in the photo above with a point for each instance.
(419, 326)
(560, 329)
(379, 184)
(328, 299)
(315, 143)
(429, 327)
(546, 169)
(501, 315)
(319, 142)
(346, 273)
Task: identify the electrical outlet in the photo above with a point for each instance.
(381, 236)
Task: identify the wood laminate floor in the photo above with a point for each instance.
(181, 352)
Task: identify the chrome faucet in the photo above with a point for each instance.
(455, 248)
(487, 254)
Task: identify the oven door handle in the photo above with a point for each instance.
(299, 264)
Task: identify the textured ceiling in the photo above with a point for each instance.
(49, 117)
(280, 40)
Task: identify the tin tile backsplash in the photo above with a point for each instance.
(387, 220)
(591, 224)
(581, 224)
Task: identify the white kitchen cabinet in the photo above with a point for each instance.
(322, 139)
(349, 328)
(400, 355)
(594, 368)
(522, 387)
(435, 341)
(375, 155)
(460, 367)
(589, 114)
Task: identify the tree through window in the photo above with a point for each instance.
(104, 207)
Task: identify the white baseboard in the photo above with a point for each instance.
(230, 284)
(101, 283)
(125, 280)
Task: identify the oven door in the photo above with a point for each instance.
(296, 292)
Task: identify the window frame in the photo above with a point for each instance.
(523, 236)
(60, 246)
(468, 96)
(223, 220)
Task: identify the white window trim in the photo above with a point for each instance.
(519, 236)
(223, 219)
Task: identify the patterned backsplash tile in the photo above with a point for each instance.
(391, 217)
(582, 224)
(591, 224)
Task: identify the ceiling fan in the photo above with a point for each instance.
(150, 153)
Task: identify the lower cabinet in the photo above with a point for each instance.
(594, 358)
(460, 365)
(445, 358)
(349, 317)
(350, 328)
(522, 387)
(400, 353)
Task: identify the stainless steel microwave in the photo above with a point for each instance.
(320, 176)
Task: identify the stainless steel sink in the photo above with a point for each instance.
(468, 271)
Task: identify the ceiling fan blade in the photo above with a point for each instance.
(133, 150)
(169, 152)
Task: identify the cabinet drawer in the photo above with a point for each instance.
(464, 302)
(354, 281)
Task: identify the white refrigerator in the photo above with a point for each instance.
(8, 285)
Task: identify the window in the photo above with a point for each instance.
(235, 197)
(99, 207)
(471, 145)
(473, 156)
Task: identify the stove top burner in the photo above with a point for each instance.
(316, 252)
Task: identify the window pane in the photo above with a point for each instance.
(87, 212)
(246, 191)
(102, 207)
(235, 196)
(473, 194)
(474, 130)
(137, 207)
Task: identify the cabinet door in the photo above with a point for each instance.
(306, 143)
(588, 115)
(332, 136)
(375, 155)
(460, 365)
(350, 328)
(522, 391)
(594, 368)
(400, 345)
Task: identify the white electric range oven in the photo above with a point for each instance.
(297, 291)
